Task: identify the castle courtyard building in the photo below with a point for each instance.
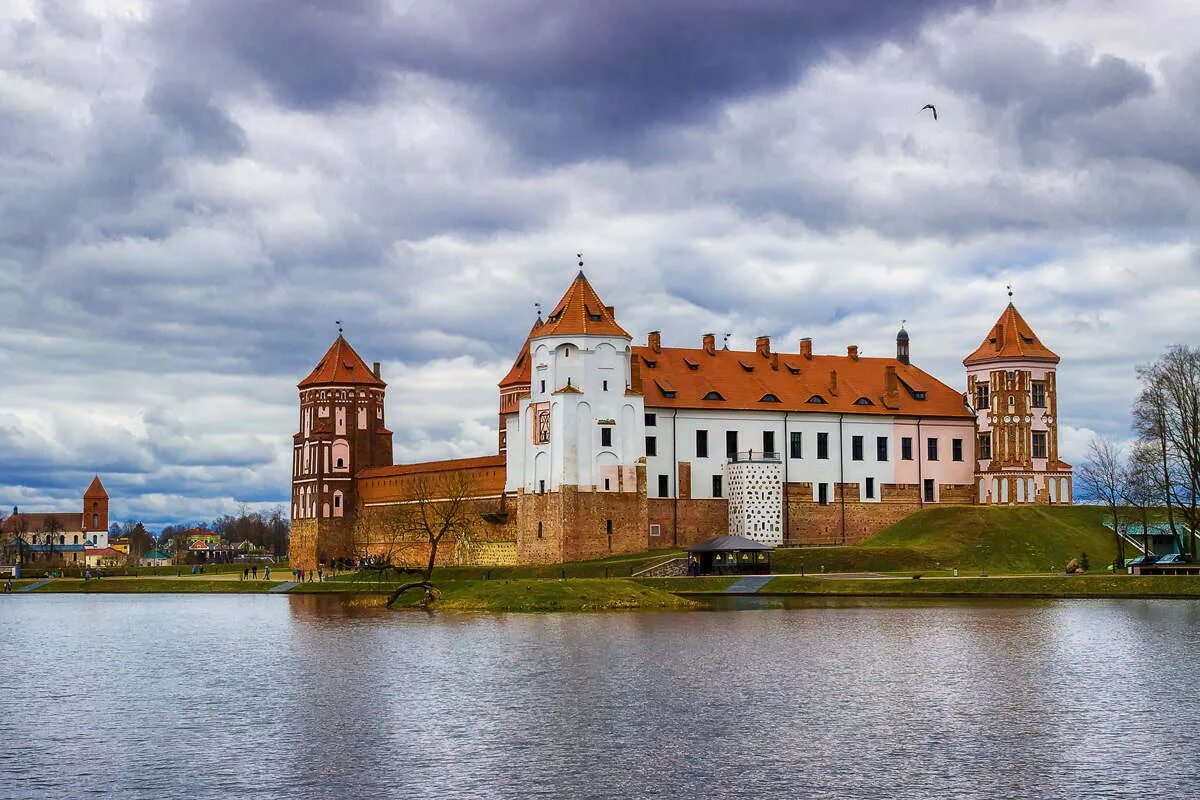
(606, 446)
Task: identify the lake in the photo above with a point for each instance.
(305, 697)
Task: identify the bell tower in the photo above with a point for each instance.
(95, 513)
(341, 432)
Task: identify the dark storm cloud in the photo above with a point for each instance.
(564, 79)
(190, 109)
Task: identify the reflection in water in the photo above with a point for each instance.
(313, 696)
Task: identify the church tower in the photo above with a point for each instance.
(341, 432)
(1012, 383)
(95, 514)
(575, 445)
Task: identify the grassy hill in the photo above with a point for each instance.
(985, 538)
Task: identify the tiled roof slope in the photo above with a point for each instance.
(36, 523)
(744, 379)
(341, 365)
(1010, 338)
(581, 312)
(95, 489)
(522, 372)
(449, 465)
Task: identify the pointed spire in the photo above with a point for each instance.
(95, 489)
(1010, 338)
(341, 365)
(581, 312)
(521, 373)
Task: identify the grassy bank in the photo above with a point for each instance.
(154, 586)
(611, 567)
(575, 594)
(1119, 586)
(975, 538)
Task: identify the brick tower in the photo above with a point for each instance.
(341, 432)
(1012, 383)
(95, 513)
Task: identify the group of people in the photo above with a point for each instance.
(251, 572)
(318, 574)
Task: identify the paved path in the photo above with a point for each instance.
(748, 584)
(280, 588)
(31, 587)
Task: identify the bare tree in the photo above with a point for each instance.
(439, 505)
(1100, 477)
(1142, 489)
(52, 527)
(378, 537)
(1168, 413)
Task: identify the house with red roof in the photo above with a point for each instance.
(606, 446)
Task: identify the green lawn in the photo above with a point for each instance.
(611, 567)
(706, 584)
(575, 594)
(1181, 586)
(971, 538)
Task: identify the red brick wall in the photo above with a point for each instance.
(698, 520)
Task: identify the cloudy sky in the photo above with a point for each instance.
(192, 192)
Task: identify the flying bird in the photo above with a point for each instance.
(931, 108)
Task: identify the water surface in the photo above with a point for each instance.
(303, 697)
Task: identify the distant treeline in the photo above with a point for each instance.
(267, 530)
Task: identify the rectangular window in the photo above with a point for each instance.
(651, 445)
(716, 485)
(1039, 394)
(871, 488)
(956, 449)
(906, 448)
(651, 420)
(822, 445)
(604, 385)
(929, 490)
(543, 386)
(606, 437)
(797, 442)
(655, 529)
(823, 493)
(701, 444)
(881, 448)
(932, 443)
(985, 446)
(664, 485)
(731, 445)
(768, 442)
(1039, 444)
(982, 396)
(542, 486)
(856, 448)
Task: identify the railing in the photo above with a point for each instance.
(753, 456)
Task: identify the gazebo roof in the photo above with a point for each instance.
(725, 544)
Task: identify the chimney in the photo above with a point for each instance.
(375, 369)
(833, 382)
(852, 351)
(654, 340)
(710, 343)
(806, 348)
(762, 345)
(891, 387)
(775, 361)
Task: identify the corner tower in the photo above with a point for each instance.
(576, 442)
(342, 431)
(1012, 383)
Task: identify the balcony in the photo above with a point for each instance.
(754, 456)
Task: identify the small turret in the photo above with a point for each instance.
(902, 345)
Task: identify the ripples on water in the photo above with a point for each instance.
(213, 696)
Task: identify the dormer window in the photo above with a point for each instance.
(816, 399)
(792, 369)
(691, 364)
(768, 398)
(919, 395)
(863, 401)
(745, 366)
(713, 396)
(649, 362)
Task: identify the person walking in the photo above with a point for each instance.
(320, 574)
(254, 571)
(267, 570)
(245, 572)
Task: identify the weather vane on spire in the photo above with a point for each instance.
(1009, 287)
(580, 257)
(338, 322)
(902, 322)
(537, 307)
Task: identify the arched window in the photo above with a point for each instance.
(341, 454)
(95, 520)
(62, 539)
(713, 396)
(74, 540)
(816, 399)
(1012, 402)
(863, 401)
(768, 398)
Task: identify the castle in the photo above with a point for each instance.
(608, 447)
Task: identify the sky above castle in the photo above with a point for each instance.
(192, 192)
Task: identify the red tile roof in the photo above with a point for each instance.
(581, 312)
(95, 489)
(749, 381)
(449, 465)
(522, 372)
(1010, 338)
(341, 365)
(36, 523)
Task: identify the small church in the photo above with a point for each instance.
(67, 537)
(609, 447)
